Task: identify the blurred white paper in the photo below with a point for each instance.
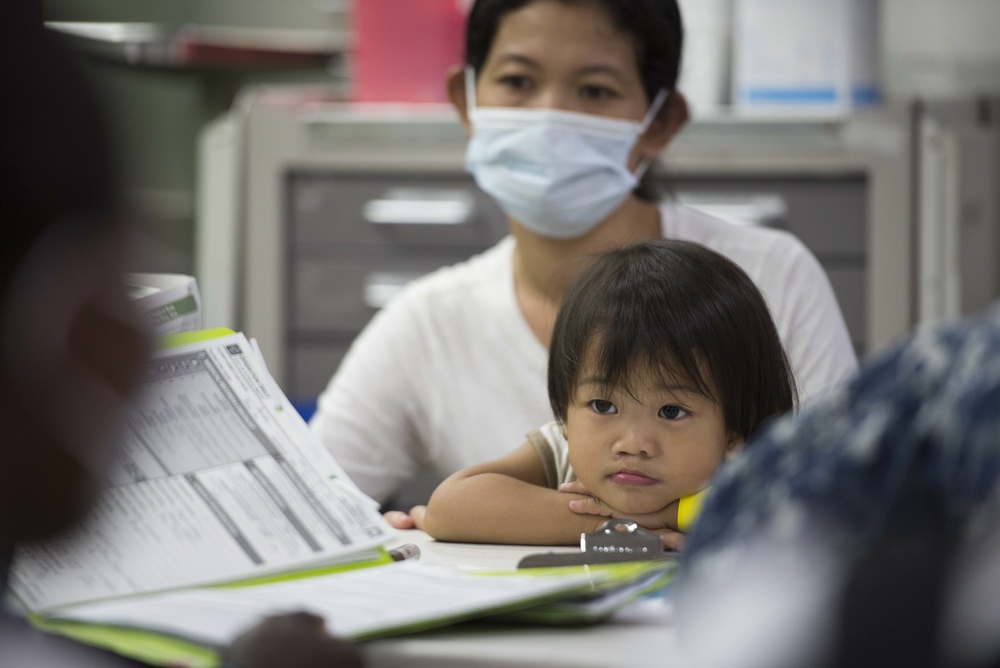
(218, 480)
(358, 604)
(170, 302)
(866, 90)
(706, 59)
(805, 56)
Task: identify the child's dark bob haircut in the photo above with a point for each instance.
(654, 26)
(684, 312)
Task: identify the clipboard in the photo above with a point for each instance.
(615, 541)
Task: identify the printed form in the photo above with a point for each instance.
(219, 480)
(358, 604)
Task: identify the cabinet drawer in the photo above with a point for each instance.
(400, 209)
(849, 286)
(828, 215)
(342, 291)
(310, 367)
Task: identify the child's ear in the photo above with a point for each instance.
(734, 446)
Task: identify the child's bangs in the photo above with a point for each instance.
(623, 355)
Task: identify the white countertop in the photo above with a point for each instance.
(638, 635)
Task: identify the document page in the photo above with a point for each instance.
(219, 479)
(356, 604)
(171, 302)
(792, 53)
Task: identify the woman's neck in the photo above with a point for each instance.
(544, 268)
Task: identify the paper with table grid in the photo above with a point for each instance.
(358, 604)
(219, 480)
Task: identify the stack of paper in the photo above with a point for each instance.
(221, 483)
(218, 480)
(170, 302)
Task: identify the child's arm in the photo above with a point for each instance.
(505, 501)
(671, 521)
(580, 502)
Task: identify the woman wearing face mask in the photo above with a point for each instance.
(566, 103)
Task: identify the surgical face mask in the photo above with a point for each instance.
(558, 173)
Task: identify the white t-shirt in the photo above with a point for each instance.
(449, 374)
(552, 448)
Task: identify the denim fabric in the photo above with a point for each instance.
(925, 416)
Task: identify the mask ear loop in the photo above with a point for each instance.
(647, 120)
(470, 90)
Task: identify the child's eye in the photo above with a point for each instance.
(603, 407)
(672, 412)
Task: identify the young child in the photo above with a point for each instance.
(664, 359)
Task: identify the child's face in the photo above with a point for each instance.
(638, 454)
(562, 56)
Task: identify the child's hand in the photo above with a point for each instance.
(662, 522)
(400, 520)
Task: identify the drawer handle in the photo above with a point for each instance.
(420, 208)
(381, 286)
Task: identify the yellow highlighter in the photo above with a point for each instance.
(688, 508)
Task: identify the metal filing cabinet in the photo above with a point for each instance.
(346, 261)
(829, 215)
(321, 189)
(355, 240)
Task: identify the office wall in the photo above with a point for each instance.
(941, 48)
(930, 47)
(158, 114)
(255, 13)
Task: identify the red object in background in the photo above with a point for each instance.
(403, 48)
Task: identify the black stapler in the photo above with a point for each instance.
(614, 541)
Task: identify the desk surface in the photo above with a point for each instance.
(638, 634)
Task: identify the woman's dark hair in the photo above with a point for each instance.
(654, 27)
(684, 312)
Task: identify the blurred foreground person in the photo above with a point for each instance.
(71, 351)
(865, 530)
